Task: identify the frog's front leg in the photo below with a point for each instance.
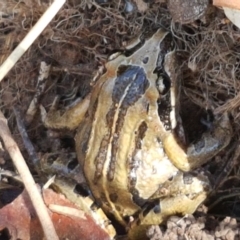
(196, 154)
(69, 119)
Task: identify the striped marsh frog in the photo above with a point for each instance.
(130, 141)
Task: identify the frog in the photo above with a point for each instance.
(130, 141)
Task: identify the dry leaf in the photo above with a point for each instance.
(22, 223)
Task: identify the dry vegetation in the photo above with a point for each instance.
(85, 33)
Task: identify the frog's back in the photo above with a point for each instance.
(117, 143)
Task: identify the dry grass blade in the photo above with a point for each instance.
(43, 75)
(27, 178)
(30, 37)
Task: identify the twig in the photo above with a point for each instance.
(27, 143)
(30, 37)
(28, 181)
(42, 78)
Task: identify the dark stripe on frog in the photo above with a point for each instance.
(164, 109)
(133, 161)
(101, 157)
(86, 132)
(130, 85)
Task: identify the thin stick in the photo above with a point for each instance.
(42, 79)
(30, 37)
(28, 181)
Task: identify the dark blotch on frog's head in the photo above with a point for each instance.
(131, 84)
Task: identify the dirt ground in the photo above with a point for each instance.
(81, 38)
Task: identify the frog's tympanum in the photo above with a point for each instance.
(130, 141)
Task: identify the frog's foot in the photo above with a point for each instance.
(160, 210)
(198, 153)
(70, 119)
(164, 208)
(180, 195)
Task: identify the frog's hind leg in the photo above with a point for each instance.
(70, 119)
(180, 195)
(163, 209)
(198, 153)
